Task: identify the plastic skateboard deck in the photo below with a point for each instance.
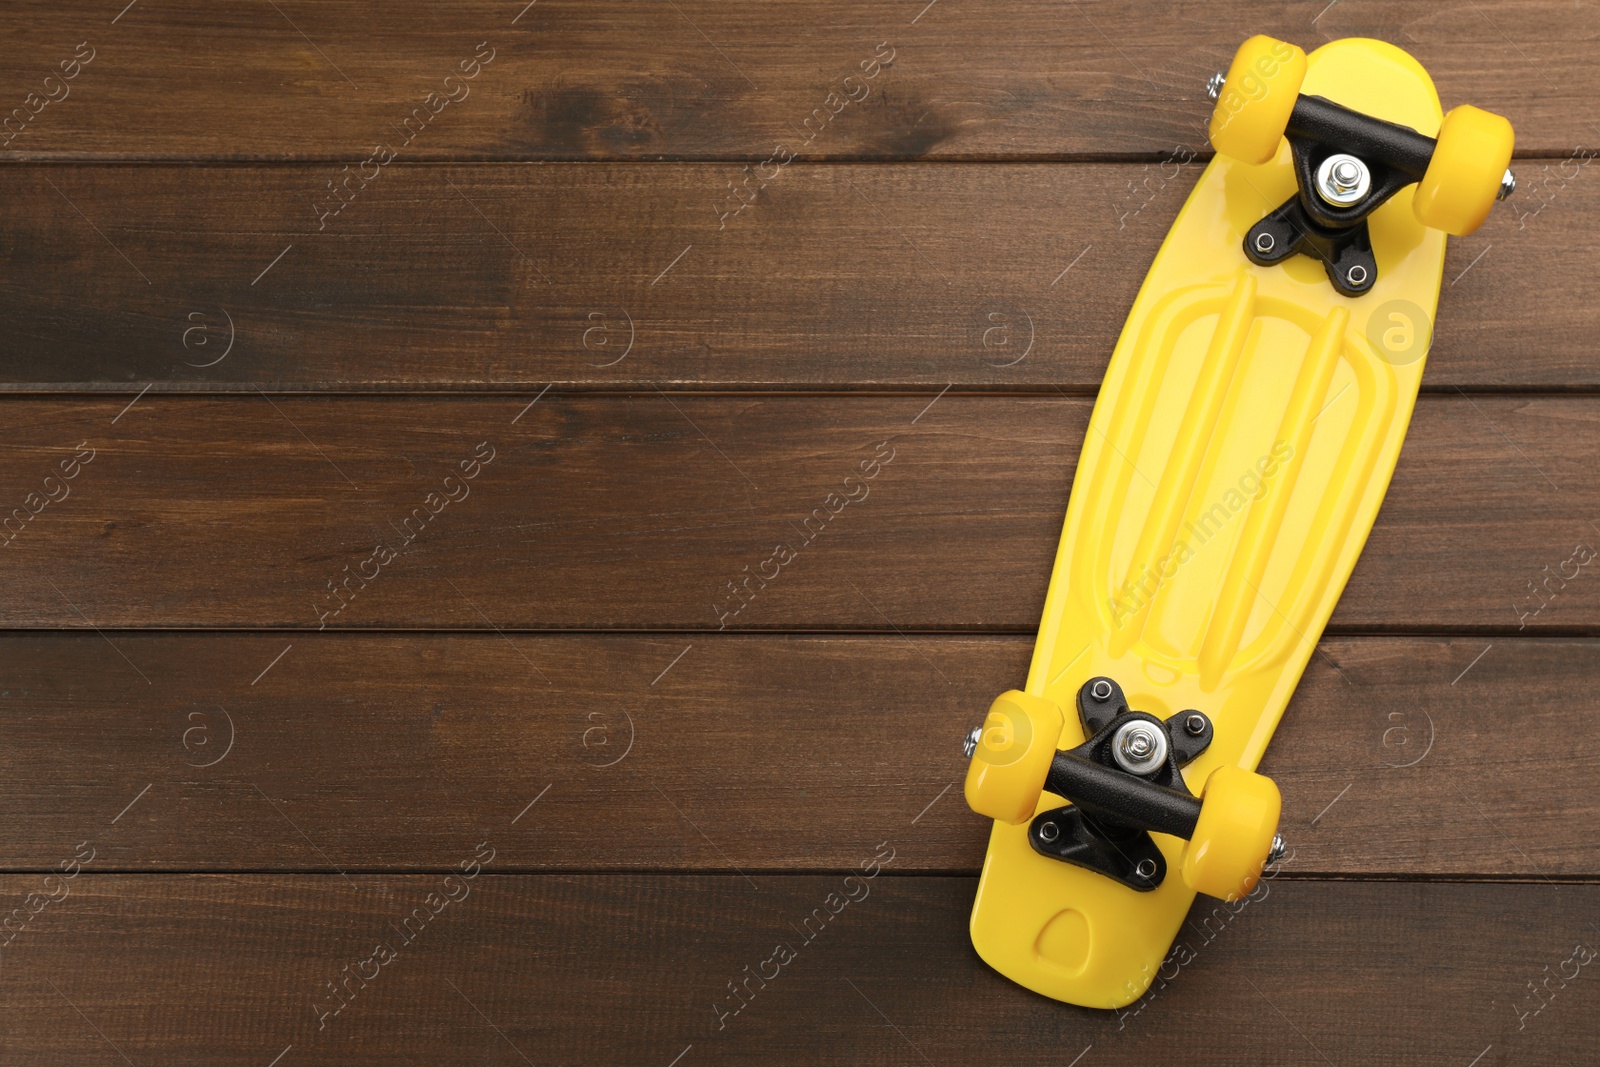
(1243, 440)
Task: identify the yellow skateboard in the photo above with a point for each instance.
(1243, 440)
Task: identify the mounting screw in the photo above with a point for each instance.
(1508, 185)
(1139, 748)
(1144, 870)
(1049, 831)
(1214, 85)
(1101, 690)
(1343, 179)
(1265, 242)
(1356, 276)
(969, 744)
(1194, 724)
(1275, 853)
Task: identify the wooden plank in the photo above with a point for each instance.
(649, 512)
(612, 80)
(637, 969)
(1011, 277)
(1398, 756)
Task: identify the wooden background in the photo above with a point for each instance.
(222, 784)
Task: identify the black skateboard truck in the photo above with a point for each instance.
(1347, 164)
(1123, 784)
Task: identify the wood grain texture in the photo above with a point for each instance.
(702, 79)
(649, 512)
(604, 276)
(263, 200)
(634, 969)
(1397, 757)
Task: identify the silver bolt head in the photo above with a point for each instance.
(1195, 725)
(1139, 747)
(969, 744)
(1343, 179)
(1276, 852)
(1214, 84)
(1508, 185)
(1101, 690)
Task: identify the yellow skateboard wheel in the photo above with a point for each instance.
(1463, 177)
(1238, 819)
(1257, 97)
(1013, 756)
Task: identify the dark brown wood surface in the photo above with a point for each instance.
(714, 752)
(639, 511)
(699, 79)
(624, 969)
(223, 782)
(1009, 277)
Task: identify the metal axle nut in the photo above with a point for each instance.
(1139, 747)
(1276, 852)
